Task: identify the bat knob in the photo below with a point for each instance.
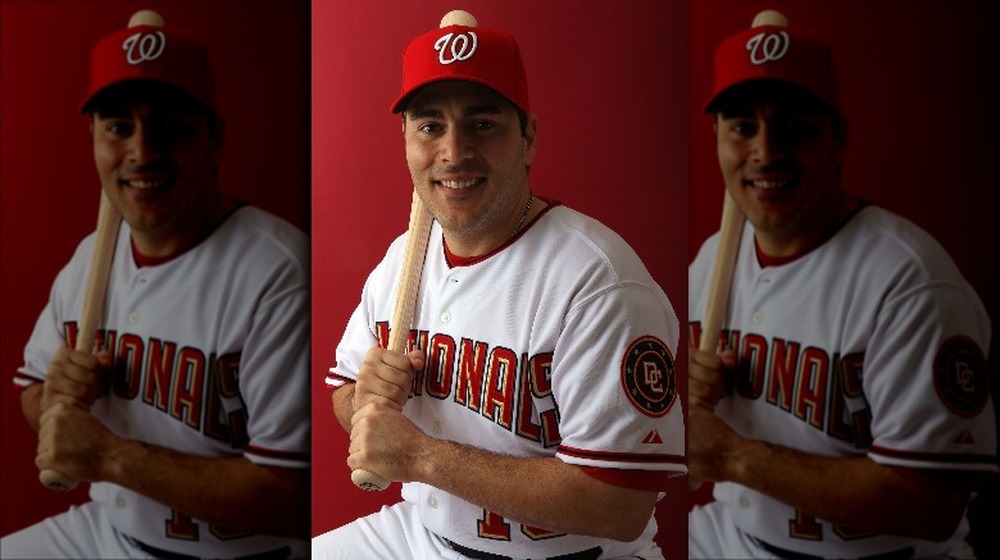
(367, 480)
(770, 17)
(146, 17)
(458, 17)
(56, 480)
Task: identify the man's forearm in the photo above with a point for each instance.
(343, 405)
(31, 404)
(232, 492)
(856, 492)
(561, 497)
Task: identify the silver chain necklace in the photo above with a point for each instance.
(517, 228)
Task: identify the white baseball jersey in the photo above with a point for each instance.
(211, 357)
(558, 343)
(869, 345)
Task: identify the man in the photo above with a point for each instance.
(848, 412)
(187, 419)
(542, 350)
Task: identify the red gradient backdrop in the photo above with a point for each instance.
(919, 85)
(49, 185)
(607, 83)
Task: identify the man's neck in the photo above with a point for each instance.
(164, 246)
(789, 246)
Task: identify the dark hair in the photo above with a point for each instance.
(155, 92)
(785, 94)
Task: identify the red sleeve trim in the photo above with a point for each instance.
(654, 481)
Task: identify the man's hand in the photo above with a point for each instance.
(707, 374)
(712, 445)
(74, 443)
(386, 442)
(74, 378)
(386, 377)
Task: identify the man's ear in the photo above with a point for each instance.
(530, 139)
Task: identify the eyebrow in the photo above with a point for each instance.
(469, 111)
(736, 112)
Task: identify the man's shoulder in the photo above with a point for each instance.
(576, 228)
(879, 235)
(260, 234)
(574, 239)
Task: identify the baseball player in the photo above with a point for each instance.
(847, 413)
(187, 419)
(536, 415)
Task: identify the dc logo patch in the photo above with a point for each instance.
(456, 47)
(960, 376)
(144, 47)
(767, 47)
(648, 376)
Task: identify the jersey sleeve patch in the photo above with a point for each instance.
(960, 376)
(648, 376)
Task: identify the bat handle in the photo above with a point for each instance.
(56, 480)
(367, 480)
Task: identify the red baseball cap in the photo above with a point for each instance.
(148, 50)
(464, 51)
(775, 51)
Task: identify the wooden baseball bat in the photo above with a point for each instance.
(722, 274)
(406, 301)
(108, 220)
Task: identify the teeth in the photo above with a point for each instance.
(761, 184)
(459, 184)
(146, 184)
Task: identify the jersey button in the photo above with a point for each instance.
(133, 317)
(744, 502)
(757, 318)
(432, 501)
(120, 502)
(446, 317)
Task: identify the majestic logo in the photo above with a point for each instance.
(767, 47)
(960, 376)
(144, 47)
(648, 376)
(456, 47)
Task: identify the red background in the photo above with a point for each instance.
(919, 85)
(607, 84)
(49, 185)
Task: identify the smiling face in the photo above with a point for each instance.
(157, 163)
(781, 161)
(468, 160)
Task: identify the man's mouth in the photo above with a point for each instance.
(767, 185)
(144, 184)
(460, 184)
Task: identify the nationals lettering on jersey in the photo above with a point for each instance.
(811, 384)
(186, 383)
(496, 382)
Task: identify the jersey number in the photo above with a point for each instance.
(805, 526)
(183, 526)
(493, 526)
